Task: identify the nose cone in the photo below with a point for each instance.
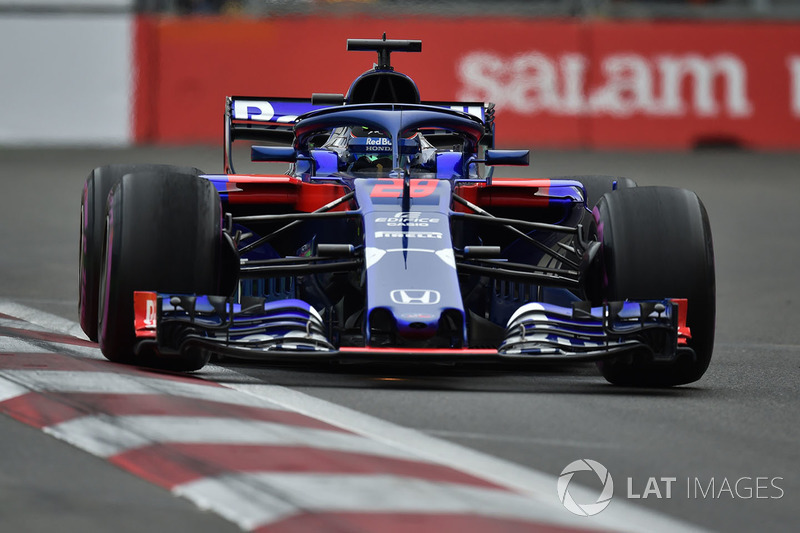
(417, 312)
(417, 327)
(413, 293)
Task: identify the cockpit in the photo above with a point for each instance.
(365, 151)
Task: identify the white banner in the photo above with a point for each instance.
(66, 79)
(67, 4)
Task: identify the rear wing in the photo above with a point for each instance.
(272, 119)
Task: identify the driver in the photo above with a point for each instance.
(371, 150)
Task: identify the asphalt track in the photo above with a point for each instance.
(741, 422)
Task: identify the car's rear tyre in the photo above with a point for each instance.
(162, 234)
(93, 220)
(657, 244)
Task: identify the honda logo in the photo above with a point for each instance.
(416, 296)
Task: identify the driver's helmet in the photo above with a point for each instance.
(372, 150)
(369, 150)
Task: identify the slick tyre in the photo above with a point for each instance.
(656, 243)
(162, 234)
(92, 228)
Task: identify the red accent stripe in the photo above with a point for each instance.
(170, 465)
(364, 522)
(684, 333)
(475, 351)
(304, 197)
(39, 411)
(249, 178)
(9, 317)
(43, 410)
(506, 192)
(144, 314)
(542, 183)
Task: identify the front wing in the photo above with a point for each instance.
(293, 331)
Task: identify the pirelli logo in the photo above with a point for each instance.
(409, 234)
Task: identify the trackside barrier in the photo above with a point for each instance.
(556, 83)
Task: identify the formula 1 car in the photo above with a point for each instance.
(390, 240)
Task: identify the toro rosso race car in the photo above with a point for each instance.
(390, 239)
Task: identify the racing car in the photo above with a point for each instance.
(389, 239)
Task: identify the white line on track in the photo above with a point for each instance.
(13, 323)
(12, 345)
(538, 486)
(9, 389)
(105, 435)
(68, 381)
(41, 318)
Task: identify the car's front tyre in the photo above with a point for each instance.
(657, 244)
(162, 234)
(92, 232)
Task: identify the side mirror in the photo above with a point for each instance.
(507, 157)
(275, 154)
